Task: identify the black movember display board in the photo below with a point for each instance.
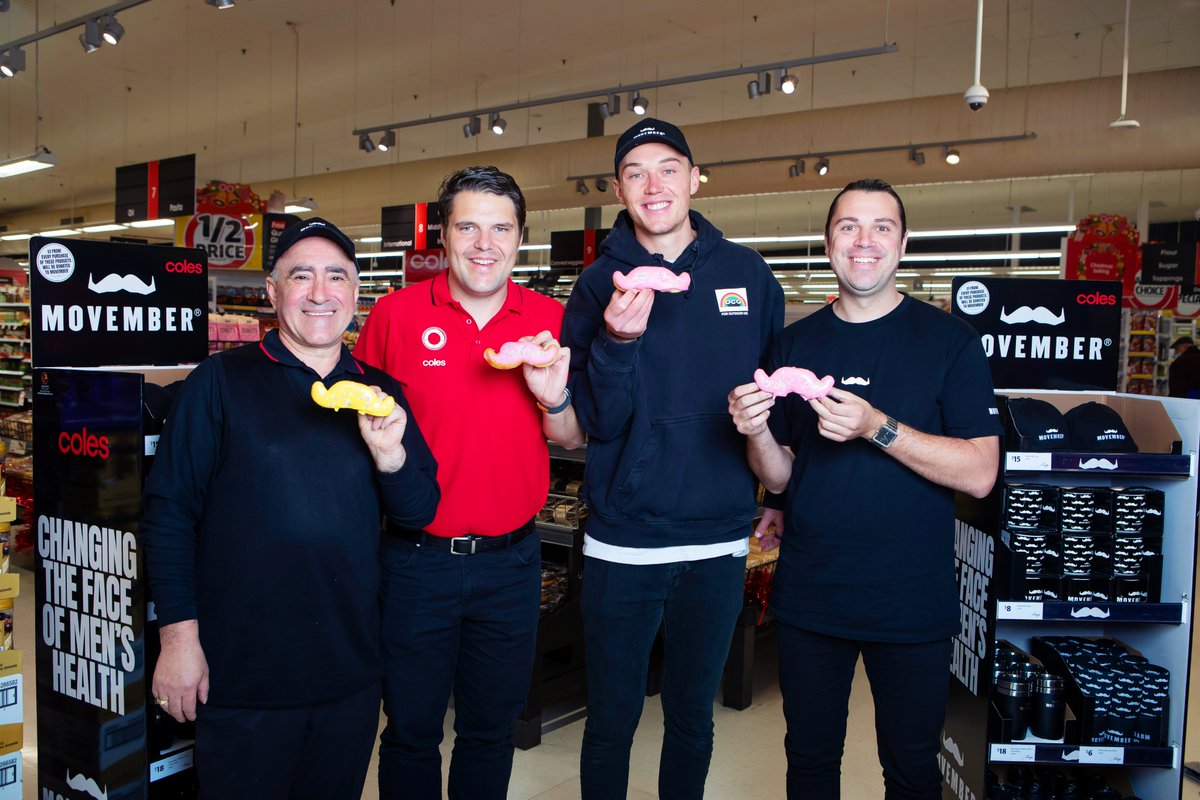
(105, 304)
(1045, 334)
(115, 305)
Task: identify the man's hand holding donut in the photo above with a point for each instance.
(627, 314)
(385, 436)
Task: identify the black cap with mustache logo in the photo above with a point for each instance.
(1098, 428)
(315, 226)
(1038, 426)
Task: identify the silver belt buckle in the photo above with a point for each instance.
(469, 539)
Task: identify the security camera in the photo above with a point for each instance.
(976, 96)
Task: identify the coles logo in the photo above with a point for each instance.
(434, 338)
(185, 267)
(1096, 299)
(83, 443)
(434, 261)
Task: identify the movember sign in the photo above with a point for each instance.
(108, 304)
(1045, 334)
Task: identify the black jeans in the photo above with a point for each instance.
(466, 624)
(696, 603)
(909, 685)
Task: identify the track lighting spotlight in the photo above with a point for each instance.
(387, 141)
(787, 82)
(12, 61)
(4, 5)
(823, 166)
(365, 144)
(90, 38)
(221, 4)
(611, 106)
(472, 127)
(110, 29)
(797, 169)
(638, 104)
(916, 156)
(497, 123)
(952, 156)
(601, 185)
(752, 89)
(581, 187)
(704, 175)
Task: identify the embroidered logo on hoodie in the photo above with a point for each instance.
(733, 302)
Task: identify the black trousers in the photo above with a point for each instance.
(318, 752)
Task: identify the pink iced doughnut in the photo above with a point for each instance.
(793, 379)
(660, 279)
(514, 354)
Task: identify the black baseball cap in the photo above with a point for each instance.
(1098, 428)
(1182, 340)
(305, 229)
(650, 130)
(1039, 425)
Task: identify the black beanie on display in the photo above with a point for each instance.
(1098, 428)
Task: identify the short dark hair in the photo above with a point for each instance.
(868, 185)
(480, 179)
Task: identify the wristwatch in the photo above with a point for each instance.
(886, 434)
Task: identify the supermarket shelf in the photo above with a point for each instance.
(1163, 465)
(1082, 754)
(1167, 613)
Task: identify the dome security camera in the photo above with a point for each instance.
(976, 96)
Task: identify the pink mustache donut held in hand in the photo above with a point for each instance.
(514, 354)
(793, 379)
(660, 279)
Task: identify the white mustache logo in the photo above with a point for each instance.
(953, 749)
(1041, 314)
(856, 381)
(120, 283)
(1097, 463)
(82, 783)
(1098, 613)
(1071, 756)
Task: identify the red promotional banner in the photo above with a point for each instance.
(421, 265)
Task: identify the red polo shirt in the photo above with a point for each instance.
(482, 423)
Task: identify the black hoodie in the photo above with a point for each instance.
(665, 464)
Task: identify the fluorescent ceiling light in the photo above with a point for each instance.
(808, 237)
(1027, 271)
(394, 273)
(41, 159)
(913, 234)
(60, 232)
(992, 256)
(382, 254)
(300, 205)
(370, 239)
(107, 227)
(16, 237)
(152, 223)
(534, 247)
(961, 273)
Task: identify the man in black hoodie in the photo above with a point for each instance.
(669, 489)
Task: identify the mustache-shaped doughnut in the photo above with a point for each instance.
(793, 379)
(660, 279)
(354, 395)
(514, 354)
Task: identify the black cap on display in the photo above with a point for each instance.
(1039, 425)
(309, 228)
(646, 131)
(1096, 427)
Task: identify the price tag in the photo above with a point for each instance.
(1007, 610)
(1102, 755)
(1014, 752)
(151, 445)
(170, 765)
(1028, 462)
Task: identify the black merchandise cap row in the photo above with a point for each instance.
(1090, 427)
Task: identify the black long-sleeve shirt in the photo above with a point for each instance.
(262, 521)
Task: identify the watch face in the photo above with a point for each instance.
(886, 433)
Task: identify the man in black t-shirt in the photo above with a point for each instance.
(1183, 376)
(867, 559)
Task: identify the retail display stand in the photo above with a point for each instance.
(107, 320)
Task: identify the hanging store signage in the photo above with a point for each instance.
(104, 304)
(417, 226)
(1044, 334)
(422, 265)
(156, 189)
(273, 227)
(227, 226)
(574, 250)
(1175, 264)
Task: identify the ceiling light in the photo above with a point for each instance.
(787, 82)
(110, 29)
(90, 38)
(916, 156)
(752, 89)
(387, 141)
(221, 4)
(16, 237)
(638, 104)
(581, 187)
(497, 123)
(601, 185)
(152, 223)
(953, 156)
(370, 239)
(60, 232)
(704, 175)
(41, 159)
(107, 227)
(823, 167)
(12, 61)
(472, 127)
(797, 169)
(365, 144)
(300, 205)
(611, 106)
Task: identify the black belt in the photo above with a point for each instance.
(468, 545)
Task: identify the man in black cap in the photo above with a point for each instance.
(671, 497)
(1183, 376)
(262, 529)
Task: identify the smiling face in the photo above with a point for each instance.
(482, 239)
(656, 184)
(314, 289)
(865, 243)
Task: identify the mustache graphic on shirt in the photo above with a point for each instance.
(1097, 463)
(120, 283)
(1040, 314)
(82, 783)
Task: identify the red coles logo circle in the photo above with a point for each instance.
(83, 443)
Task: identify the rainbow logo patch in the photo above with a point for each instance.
(733, 302)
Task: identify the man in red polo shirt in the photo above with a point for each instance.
(461, 597)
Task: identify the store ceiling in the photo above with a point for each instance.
(188, 78)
